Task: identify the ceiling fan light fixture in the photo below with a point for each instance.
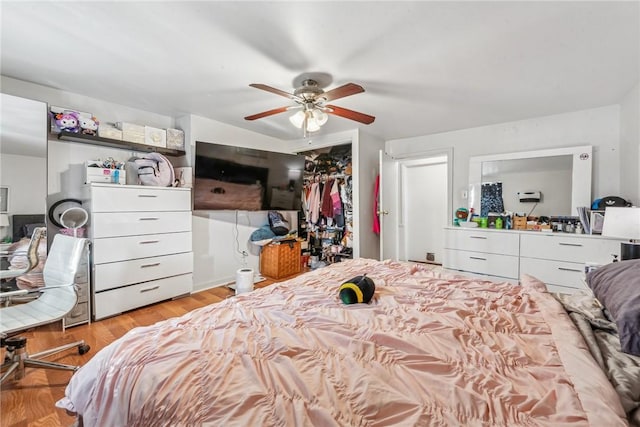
(297, 119)
(312, 124)
(320, 117)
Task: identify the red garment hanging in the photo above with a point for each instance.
(376, 201)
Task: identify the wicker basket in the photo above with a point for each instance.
(280, 260)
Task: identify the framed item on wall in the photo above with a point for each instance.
(4, 199)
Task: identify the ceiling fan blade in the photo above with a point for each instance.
(342, 91)
(276, 91)
(268, 113)
(350, 114)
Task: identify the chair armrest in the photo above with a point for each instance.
(10, 294)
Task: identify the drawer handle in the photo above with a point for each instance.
(150, 289)
(478, 258)
(569, 244)
(150, 265)
(149, 219)
(147, 195)
(146, 242)
(570, 269)
(478, 237)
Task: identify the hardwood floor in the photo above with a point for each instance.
(31, 401)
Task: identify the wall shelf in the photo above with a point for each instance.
(116, 143)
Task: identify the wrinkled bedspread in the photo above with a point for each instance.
(430, 349)
(601, 336)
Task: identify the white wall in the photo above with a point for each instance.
(599, 127)
(630, 146)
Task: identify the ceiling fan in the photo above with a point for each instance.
(311, 102)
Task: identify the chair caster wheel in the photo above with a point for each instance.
(82, 349)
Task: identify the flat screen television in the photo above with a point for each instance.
(237, 178)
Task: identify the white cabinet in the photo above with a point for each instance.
(478, 251)
(557, 259)
(141, 245)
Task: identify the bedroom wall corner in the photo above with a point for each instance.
(630, 146)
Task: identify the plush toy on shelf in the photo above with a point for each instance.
(68, 121)
(89, 125)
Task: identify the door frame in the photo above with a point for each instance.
(391, 229)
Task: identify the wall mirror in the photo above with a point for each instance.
(562, 176)
(23, 160)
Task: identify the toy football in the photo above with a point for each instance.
(358, 289)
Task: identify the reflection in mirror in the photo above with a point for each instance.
(549, 176)
(562, 176)
(23, 158)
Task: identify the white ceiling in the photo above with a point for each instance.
(427, 67)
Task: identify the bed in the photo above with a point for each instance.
(430, 349)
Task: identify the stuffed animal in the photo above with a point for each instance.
(358, 289)
(89, 125)
(68, 122)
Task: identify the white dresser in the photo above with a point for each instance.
(478, 251)
(141, 245)
(558, 259)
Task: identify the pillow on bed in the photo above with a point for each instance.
(617, 287)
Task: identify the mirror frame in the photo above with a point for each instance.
(580, 174)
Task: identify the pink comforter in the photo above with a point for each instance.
(429, 350)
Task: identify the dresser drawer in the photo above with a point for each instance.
(113, 249)
(139, 199)
(568, 248)
(117, 274)
(139, 223)
(118, 300)
(565, 274)
(482, 241)
(483, 263)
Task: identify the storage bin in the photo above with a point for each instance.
(155, 137)
(282, 259)
(131, 132)
(175, 139)
(93, 174)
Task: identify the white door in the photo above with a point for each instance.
(415, 194)
(424, 209)
(387, 207)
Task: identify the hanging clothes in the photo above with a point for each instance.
(314, 202)
(376, 206)
(327, 203)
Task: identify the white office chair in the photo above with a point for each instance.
(58, 298)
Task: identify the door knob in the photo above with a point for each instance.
(383, 212)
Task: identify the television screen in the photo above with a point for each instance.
(236, 178)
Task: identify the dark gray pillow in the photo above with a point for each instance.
(617, 287)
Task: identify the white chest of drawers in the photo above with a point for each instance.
(141, 245)
(557, 259)
(476, 251)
